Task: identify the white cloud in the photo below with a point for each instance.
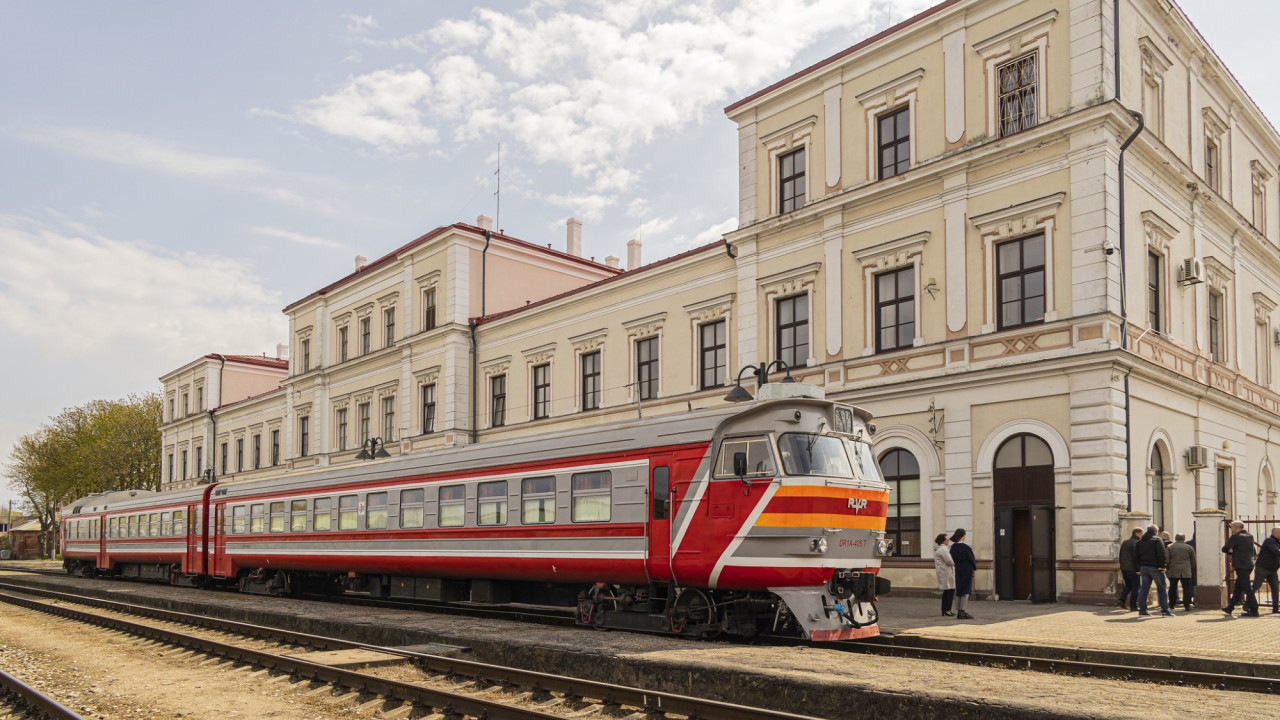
(299, 238)
(382, 108)
(585, 206)
(359, 25)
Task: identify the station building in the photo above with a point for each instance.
(1038, 239)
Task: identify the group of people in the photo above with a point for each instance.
(955, 563)
(1150, 558)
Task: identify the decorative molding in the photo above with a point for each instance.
(705, 311)
(303, 334)
(894, 253)
(1016, 36)
(1153, 58)
(427, 376)
(1019, 219)
(589, 341)
(1033, 216)
(790, 282)
(1217, 272)
(1262, 307)
(496, 366)
(784, 137)
(389, 299)
(428, 280)
(1158, 232)
(540, 354)
(890, 92)
(1213, 124)
(646, 326)
(1260, 173)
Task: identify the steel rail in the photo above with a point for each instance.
(606, 693)
(25, 695)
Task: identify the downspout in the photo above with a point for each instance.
(475, 370)
(213, 440)
(728, 250)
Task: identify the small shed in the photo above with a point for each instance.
(26, 540)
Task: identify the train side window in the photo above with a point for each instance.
(298, 516)
(661, 492)
(759, 457)
(592, 496)
(277, 516)
(347, 512)
(453, 506)
(256, 518)
(491, 503)
(111, 528)
(131, 526)
(166, 523)
(321, 520)
(538, 500)
(411, 508)
(155, 524)
(238, 515)
(179, 527)
(375, 513)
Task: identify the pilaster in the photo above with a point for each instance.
(958, 465)
(1092, 52)
(1097, 463)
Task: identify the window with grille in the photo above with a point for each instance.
(591, 389)
(894, 134)
(1017, 84)
(895, 309)
(1020, 298)
(592, 496)
(452, 506)
(647, 368)
(791, 186)
(712, 351)
(538, 500)
(792, 336)
(902, 473)
(497, 401)
(428, 408)
(491, 503)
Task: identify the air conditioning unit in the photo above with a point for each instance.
(1191, 272)
(1197, 457)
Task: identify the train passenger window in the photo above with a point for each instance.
(257, 518)
(166, 523)
(411, 508)
(321, 519)
(347, 512)
(277, 516)
(491, 503)
(661, 492)
(155, 524)
(298, 516)
(538, 500)
(375, 512)
(592, 496)
(809, 454)
(238, 515)
(759, 457)
(111, 528)
(132, 526)
(453, 506)
(179, 527)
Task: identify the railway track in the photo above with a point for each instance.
(552, 696)
(20, 700)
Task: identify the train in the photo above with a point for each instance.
(767, 518)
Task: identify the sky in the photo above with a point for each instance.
(173, 174)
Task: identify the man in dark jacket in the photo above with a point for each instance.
(1129, 569)
(1152, 561)
(1240, 547)
(1268, 569)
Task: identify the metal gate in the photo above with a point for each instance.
(1259, 528)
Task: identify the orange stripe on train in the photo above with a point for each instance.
(830, 492)
(797, 520)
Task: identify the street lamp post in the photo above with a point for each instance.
(761, 371)
(373, 449)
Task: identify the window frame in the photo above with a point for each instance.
(541, 390)
(900, 144)
(442, 503)
(420, 505)
(797, 302)
(543, 498)
(363, 426)
(648, 373)
(719, 353)
(340, 425)
(366, 335)
(1216, 314)
(389, 326)
(276, 511)
(590, 399)
(344, 332)
(305, 352)
(372, 512)
(1022, 273)
(896, 302)
(388, 419)
(304, 436)
(317, 513)
(501, 501)
(895, 501)
(1003, 126)
(428, 309)
(257, 518)
(275, 447)
(498, 400)
(428, 417)
(295, 513)
(1155, 291)
(796, 200)
(576, 494)
(348, 511)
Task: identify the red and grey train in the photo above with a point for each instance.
(761, 519)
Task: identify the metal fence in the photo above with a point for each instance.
(1259, 528)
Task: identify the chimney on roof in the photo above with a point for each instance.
(573, 237)
(633, 254)
(612, 261)
(361, 261)
(282, 351)
(484, 222)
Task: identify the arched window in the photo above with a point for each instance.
(902, 472)
(1157, 487)
(1024, 451)
(1270, 504)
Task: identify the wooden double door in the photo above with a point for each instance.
(1024, 526)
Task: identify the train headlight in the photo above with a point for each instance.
(884, 547)
(818, 545)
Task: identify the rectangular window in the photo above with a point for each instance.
(170, 472)
(1153, 292)
(179, 523)
(366, 336)
(542, 391)
(388, 327)
(592, 496)
(186, 408)
(224, 458)
(306, 355)
(1020, 296)
(647, 368)
(411, 508)
(277, 517)
(184, 465)
(257, 518)
(1260, 205)
(172, 416)
(239, 454)
(895, 309)
(591, 381)
(347, 512)
(343, 332)
(491, 508)
(712, 352)
(322, 515)
(538, 500)
(166, 524)
(1016, 83)
(1216, 338)
(1212, 163)
(894, 141)
(364, 423)
(1264, 354)
(429, 309)
(304, 435)
(792, 338)
(275, 447)
(342, 429)
(297, 516)
(661, 492)
(199, 461)
(791, 181)
(758, 455)
(375, 512)
(238, 515)
(497, 400)
(1224, 488)
(388, 419)
(133, 526)
(453, 506)
(155, 524)
(257, 451)
(199, 399)
(428, 408)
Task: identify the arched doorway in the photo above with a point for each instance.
(1157, 488)
(1022, 481)
(902, 473)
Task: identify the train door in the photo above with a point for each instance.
(217, 539)
(658, 563)
(101, 522)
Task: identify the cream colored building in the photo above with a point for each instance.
(933, 224)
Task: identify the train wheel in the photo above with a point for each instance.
(694, 614)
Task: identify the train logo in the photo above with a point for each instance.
(857, 505)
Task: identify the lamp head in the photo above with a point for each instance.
(738, 394)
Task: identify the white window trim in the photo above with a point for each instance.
(533, 357)
(1022, 220)
(426, 283)
(1154, 64)
(892, 255)
(780, 142)
(783, 285)
(1030, 36)
(1159, 234)
(1262, 307)
(639, 329)
(884, 99)
(491, 369)
(1219, 278)
(701, 313)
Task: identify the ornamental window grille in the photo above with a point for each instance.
(1018, 88)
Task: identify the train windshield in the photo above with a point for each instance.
(810, 454)
(864, 461)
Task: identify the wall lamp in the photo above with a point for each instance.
(208, 477)
(373, 449)
(761, 371)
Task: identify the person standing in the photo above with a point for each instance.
(1152, 561)
(1240, 547)
(1268, 569)
(1182, 560)
(1129, 569)
(1164, 536)
(946, 568)
(965, 566)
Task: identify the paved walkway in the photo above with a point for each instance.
(1202, 633)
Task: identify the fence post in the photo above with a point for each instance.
(1210, 562)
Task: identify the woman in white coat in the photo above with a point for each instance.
(946, 568)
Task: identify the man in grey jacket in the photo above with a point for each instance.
(1129, 569)
(1240, 547)
(1182, 560)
